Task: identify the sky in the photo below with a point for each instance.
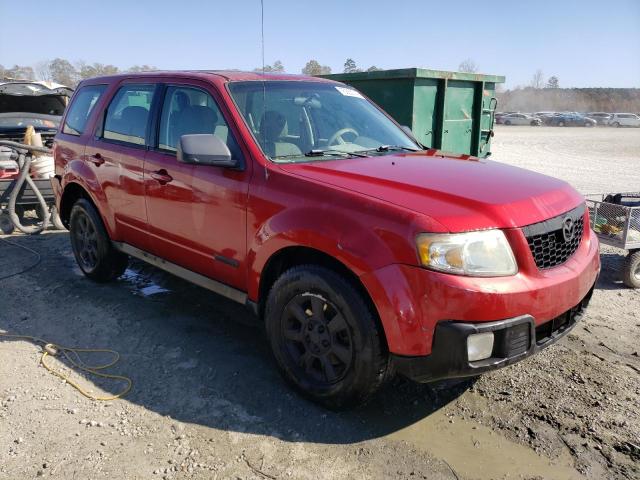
(584, 43)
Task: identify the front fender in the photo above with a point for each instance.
(356, 245)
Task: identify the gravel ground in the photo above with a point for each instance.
(207, 401)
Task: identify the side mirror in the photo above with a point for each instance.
(204, 149)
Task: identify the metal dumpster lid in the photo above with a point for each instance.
(414, 73)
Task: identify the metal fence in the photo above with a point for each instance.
(616, 218)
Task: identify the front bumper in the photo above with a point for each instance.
(514, 339)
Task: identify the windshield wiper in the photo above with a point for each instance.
(322, 153)
(386, 148)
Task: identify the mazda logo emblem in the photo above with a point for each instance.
(568, 229)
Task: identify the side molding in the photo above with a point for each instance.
(200, 280)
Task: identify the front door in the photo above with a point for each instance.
(196, 213)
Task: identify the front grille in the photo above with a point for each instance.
(553, 241)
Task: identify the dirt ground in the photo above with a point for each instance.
(207, 402)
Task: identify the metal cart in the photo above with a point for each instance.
(616, 220)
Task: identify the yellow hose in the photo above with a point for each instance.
(52, 349)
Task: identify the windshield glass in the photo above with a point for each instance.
(293, 118)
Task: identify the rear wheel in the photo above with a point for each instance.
(508, 122)
(616, 124)
(91, 245)
(561, 124)
(324, 337)
(631, 272)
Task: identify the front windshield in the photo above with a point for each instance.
(297, 120)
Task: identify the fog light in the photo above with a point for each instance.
(479, 346)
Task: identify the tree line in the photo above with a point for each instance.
(60, 70)
(64, 72)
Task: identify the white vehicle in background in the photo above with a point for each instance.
(521, 119)
(624, 120)
(602, 118)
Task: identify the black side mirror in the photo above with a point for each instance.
(204, 149)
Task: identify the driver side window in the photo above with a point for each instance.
(188, 110)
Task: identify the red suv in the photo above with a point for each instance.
(363, 253)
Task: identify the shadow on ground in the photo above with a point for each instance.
(611, 273)
(192, 355)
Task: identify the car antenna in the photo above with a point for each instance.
(264, 88)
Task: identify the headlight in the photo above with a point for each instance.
(481, 254)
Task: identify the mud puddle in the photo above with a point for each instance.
(475, 451)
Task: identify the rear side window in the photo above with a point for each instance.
(128, 113)
(81, 108)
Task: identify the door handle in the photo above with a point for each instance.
(97, 159)
(161, 176)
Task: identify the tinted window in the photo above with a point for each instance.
(127, 114)
(191, 110)
(81, 107)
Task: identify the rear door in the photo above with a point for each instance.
(71, 140)
(116, 153)
(197, 213)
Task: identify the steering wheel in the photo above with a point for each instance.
(338, 136)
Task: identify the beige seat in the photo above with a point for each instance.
(272, 127)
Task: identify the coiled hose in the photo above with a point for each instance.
(24, 163)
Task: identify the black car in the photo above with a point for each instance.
(571, 120)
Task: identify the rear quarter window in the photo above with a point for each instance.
(81, 107)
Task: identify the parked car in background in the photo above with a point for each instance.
(624, 120)
(521, 119)
(571, 120)
(499, 116)
(24, 103)
(361, 253)
(601, 118)
(544, 116)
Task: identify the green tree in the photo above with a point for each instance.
(63, 72)
(19, 72)
(141, 68)
(314, 68)
(553, 82)
(373, 68)
(468, 66)
(277, 67)
(95, 70)
(350, 66)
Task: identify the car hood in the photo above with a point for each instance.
(462, 193)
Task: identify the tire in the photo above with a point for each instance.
(337, 357)
(561, 124)
(6, 225)
(91, 244)
(508, 122)
(617, 124)
(534, 124)
(631, 271)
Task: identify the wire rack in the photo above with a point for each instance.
(616, 218)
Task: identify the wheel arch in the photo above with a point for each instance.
(292, 256)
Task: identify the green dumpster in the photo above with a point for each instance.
(451, 111)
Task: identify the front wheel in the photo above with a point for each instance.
(91, 245)
(561, 124)
(508, 122)
(631, 272)
(324, 337)
(616, 124)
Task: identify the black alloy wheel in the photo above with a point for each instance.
(317, 337)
